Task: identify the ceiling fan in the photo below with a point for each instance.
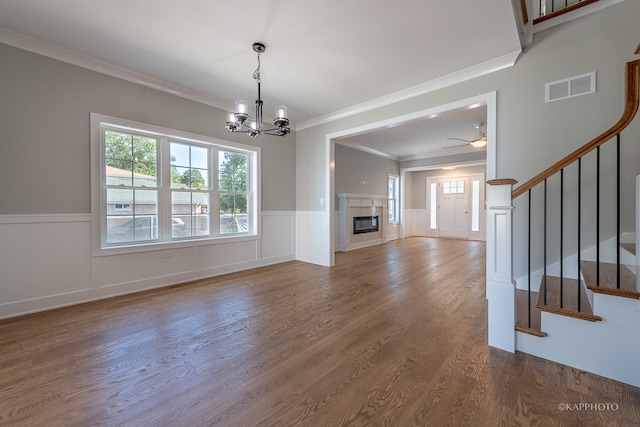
(479, 140)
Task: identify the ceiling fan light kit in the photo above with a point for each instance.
(478, 141)
(240, 120)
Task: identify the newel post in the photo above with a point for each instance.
(500, 288)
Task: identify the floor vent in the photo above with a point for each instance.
(568, 88)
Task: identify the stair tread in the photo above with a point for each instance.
(608, 281)
(522, 314)
(629, 247)
(569, 306)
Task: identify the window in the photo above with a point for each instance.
(453, 187)
(433, 206)
(158, 186)
(130, 171)
(232, 185)
(475, 205)
(190, 193)
(394, 198)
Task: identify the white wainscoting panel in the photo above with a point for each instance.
(415, 222)
(140, 266)
(407, 223)
(46, 261)
(312, 237)
(43, 255)
(278, 236)
(393, 231)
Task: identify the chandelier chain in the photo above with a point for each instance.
(256, 73)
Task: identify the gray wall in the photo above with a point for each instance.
(354, 166)
(531, 135)
(44, 139)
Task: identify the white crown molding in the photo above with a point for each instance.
(52, 51)
(454, 78)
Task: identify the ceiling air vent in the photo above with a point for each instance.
(568, 88)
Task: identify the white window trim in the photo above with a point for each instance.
(97, 179)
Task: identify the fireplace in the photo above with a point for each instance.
(360, 220)
(365, 224)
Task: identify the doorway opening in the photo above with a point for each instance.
(488, 99)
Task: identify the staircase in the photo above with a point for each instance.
(529, 308)
(579, 305)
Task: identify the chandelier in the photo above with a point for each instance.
(240, 119)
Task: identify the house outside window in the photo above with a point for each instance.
(158, 186)
(394, 198)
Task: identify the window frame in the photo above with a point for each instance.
(165, 136)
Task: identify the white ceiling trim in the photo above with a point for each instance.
(454, 78)
(52, 51)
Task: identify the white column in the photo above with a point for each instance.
(500, 288)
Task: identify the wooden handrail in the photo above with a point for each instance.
(632, 97)
(525, 13)
(564, 10)
(502, 181)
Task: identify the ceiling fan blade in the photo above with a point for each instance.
(458, 139)
(456, 146)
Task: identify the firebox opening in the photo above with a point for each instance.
(365, 224)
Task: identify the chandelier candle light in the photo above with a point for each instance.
(240, 118)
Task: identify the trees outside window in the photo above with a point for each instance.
(232, 184)
(157, 187)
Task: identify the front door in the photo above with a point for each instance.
(454, 208)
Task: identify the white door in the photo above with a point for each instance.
(454, 208)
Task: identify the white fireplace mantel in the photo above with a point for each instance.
(350, 205)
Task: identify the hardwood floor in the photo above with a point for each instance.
(393, 335)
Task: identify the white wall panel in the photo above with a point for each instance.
(43, 253)
(213, 256)
(278, 235)
(312, 237)
(134, 267)
(45, 261)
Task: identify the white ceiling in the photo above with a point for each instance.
(324, 59)
(424, 138)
